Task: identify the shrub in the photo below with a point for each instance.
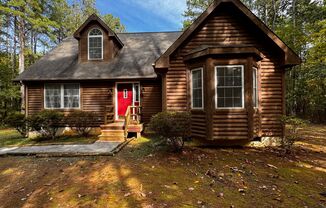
(291, 136)
(173, 127)
(17, 120)
(46, 122)
(81, 121)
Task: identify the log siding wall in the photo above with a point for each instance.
(95, 96)
(151, 98)
(227, 26)
(34, 98)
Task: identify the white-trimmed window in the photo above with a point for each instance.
(95, 44)
(57, 96)
(229, 86)
(255, 87)
(197, 101)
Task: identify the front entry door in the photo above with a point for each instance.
(125, 98)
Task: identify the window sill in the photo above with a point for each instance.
(230, 110)
(62, 109)
(99, 59)
(197, 110)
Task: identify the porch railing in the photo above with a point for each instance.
(132, 116)
(109, 114)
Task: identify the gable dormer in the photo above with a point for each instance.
(96, 41)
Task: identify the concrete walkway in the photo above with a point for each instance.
(97, 148)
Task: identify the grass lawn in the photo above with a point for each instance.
(10, 138)
(142, 175)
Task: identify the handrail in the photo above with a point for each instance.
(108, 110)
(133, 113)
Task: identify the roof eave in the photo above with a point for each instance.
(94, 17)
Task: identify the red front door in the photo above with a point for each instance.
(125, 98)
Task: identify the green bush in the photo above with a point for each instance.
(172, 127)
(293, 124)
(18, 121)
(46, 122)
(81, 122)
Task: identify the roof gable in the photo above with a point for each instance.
(291, 58)
(96, 18)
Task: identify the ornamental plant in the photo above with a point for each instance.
(173, 127)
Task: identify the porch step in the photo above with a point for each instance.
(135, 128)
(112, 132)
(111, 138)
(118, 133)
(113, 126)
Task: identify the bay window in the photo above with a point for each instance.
(57, 96)
(197, 101)
(229, 86)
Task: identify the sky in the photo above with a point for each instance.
(146, 15)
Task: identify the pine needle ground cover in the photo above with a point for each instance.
(145, 175)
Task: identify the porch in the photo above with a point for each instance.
(119, 129)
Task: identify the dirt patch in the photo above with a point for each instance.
(142, 175)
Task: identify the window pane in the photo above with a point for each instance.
(237, 102)
(95, 32)
(237, 81)
(220, 92)
(95, 47)
(137, 93)
(71, 95)
(220, 102)
(229, 86)
(52, 96)
(237, 71)
(220, 81)
(228, 92)
(229, 71)
(220, 72)
(255, 88)
(228, 81)
(228, 102)
(196, 78)
(237, 92)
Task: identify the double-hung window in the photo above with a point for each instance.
(197, 101)
(229, 86)
(57, 96)
(95, 44)
(255, 87)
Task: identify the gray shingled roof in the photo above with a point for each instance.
(134, 60)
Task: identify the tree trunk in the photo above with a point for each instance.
(274, 14)
(14, 58)
(21, 66)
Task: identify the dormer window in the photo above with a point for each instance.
(95, 44)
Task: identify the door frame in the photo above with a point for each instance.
(133, 95)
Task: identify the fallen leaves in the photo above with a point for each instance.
(272, 166)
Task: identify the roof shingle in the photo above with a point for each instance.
(133, 61)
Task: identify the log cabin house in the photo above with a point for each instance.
(227, 69)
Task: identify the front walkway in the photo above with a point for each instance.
(97, 148)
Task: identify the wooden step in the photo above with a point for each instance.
(113, 133)
(112, 138)
(113, 126)
(136, 128)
